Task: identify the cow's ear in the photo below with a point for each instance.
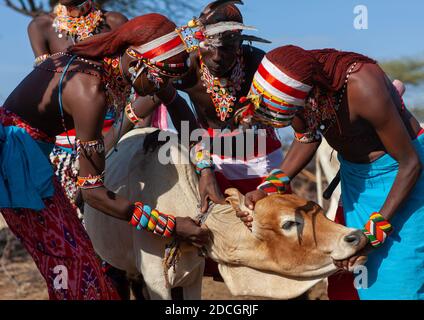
(236, 199)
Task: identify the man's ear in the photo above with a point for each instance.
(236, 199)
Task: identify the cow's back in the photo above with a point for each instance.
(137, 176)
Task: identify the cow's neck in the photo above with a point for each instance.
(232, 242)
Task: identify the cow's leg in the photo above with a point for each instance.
(193, 291)
(155, 282)
(149, 250)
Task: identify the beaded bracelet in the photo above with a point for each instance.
(144, 217)
(201, 158)
(90, 147)
(377, 229)
(40, 59)
(276, 182)
(131, 116)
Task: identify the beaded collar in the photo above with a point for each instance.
(77, 28)
(223, 91)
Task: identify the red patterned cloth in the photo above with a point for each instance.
(8, 118)
(57, 241)
(55, 237)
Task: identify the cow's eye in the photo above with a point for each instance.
(289, 224)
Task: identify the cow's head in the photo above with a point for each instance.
(293, 237)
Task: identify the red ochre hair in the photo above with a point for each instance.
(135, 32)
(325, 68)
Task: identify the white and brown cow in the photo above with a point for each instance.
(290, 248)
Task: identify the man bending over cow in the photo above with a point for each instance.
(349, 100)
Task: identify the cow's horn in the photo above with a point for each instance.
(236, 199)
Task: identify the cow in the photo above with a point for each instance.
(290, 248)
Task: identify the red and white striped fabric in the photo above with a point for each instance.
(247, 173)
(162, 48)
(281, 95)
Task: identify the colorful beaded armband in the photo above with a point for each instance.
(90, 147)
(377, 229)
(307, 137)
(90, 182)
(152, 220)
(132, 117)
(276, 182)
(201, 158)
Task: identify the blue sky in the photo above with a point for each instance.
(394, 31)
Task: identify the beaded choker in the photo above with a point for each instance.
(223, 92)
(80, 27)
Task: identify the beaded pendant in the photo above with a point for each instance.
(118, 90)
(223, 91)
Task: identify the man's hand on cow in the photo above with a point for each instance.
(189, 230)
(209, 190)
(250, 200)
(348, 264)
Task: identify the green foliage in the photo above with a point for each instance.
(418, 113)
(408, 70)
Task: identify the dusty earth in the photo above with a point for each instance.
(20, 279)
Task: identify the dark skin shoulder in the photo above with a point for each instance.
(355, 137)
(38, 34)
(114, 19)
(371, 113)
(44, 40)
(45, 111)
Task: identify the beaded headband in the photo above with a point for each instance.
(275, 95)
(186, 38)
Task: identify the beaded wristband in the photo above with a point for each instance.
(201, 158)
(89, 147)
(276, 182)
(377, 229)
(144, 217)
(131, 116)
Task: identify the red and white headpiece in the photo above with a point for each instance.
(162, 48)
(277, 95)
(186, 38)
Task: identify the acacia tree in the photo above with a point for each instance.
(178, 10)
(408, 70)
(411, 72)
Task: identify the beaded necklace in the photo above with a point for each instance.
(323, 108)
(118, 89)
(223, 91)
(77, 28)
